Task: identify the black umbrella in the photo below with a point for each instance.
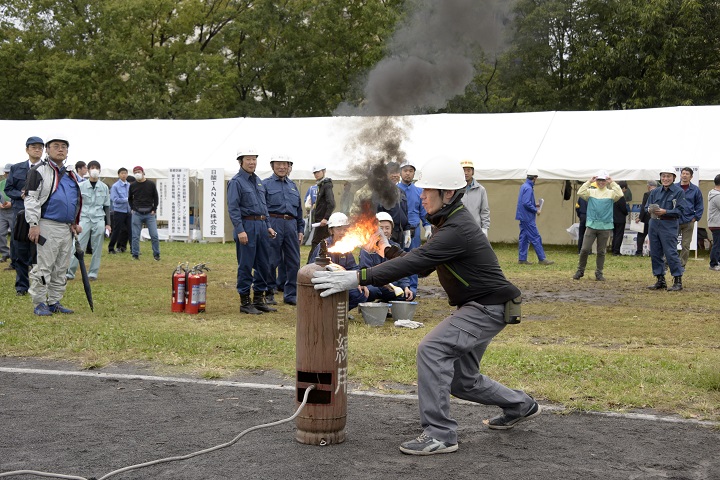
(80, 255)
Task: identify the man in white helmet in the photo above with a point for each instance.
(338, 223)
(248, 213)
(52, 209)
(448, 357)
(398, 290)
(323, 208)
(666, 205)
(285, 209)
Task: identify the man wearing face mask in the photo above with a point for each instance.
(94, 219)
(143, 201)
(52, 209)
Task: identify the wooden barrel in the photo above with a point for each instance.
(321, 360)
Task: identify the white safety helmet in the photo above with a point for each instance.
(407, 163)
(438, 173)
(318, 167)
(669, 170)
(384, 217)
(280, 158)
(246, 152)
(58, 138)
(338, 219)
(467, 164)
(532, 172)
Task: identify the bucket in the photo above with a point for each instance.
(403, 310)
(374, 314)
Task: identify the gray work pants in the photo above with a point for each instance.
(591, 235)
(448, 361)
(686, 232)
(47, 277)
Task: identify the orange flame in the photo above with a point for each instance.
(362, 227)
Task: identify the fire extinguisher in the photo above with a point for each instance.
(179, 282)
(202, 296)
(193, 292)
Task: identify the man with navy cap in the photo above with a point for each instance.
(22, 253)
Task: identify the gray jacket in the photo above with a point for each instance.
(476, 202)
(713, 209)
(41, 183)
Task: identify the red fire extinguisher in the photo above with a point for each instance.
(179, 281)
(202, 297)
(196, 289)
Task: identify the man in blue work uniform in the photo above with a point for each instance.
(693, 212)
(666, 204)
(416, 212)
(285, 210)
(22, 253)
(527, 210)
(249, 215)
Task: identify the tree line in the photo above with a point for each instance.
(188, 59)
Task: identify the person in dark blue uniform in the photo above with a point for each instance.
(285, 210)
(398, 290)
(22, 253)
(249, 215)
(666, 204)
(337, 225)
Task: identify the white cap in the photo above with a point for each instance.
(318, 167)
(602, 175)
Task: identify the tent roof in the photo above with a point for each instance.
(630, 144)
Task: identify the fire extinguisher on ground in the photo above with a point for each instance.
(196, 289)
(179, 282)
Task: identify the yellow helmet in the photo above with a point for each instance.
(467, 164)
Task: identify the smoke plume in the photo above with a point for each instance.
(430, 61)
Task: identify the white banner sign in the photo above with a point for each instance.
(179, 224)
(213, 213)
(163, 211)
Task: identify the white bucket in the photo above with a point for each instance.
(374, 314)
(403, 310)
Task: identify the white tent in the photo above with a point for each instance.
(630, 144)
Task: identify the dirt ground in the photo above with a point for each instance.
(108, 419)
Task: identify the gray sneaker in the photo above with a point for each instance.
(715, 268)
(506, 422)
(424, 445)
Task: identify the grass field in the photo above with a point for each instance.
(584, 344)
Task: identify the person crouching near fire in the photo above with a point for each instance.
(448, 357)
(398, 290)
(338, 224)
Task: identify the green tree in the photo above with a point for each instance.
(596, 54)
